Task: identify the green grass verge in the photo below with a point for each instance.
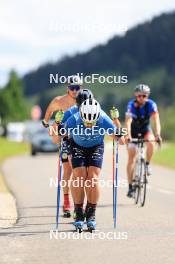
(165, 156)
(8, 149)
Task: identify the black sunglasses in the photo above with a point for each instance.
(74, 87)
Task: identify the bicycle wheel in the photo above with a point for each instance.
(142, 184)
(136, 184)
(137, 193)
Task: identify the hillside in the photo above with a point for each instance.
(147, 46)
(146, 54)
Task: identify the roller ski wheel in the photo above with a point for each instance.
(79, 226)
(91, 225)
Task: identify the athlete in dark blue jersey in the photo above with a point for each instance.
(141, 115)
(140, 111)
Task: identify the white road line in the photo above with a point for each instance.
(165, 191)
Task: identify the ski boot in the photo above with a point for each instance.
(79, 221)
(66, 207)
(66, 213)
(90, 219)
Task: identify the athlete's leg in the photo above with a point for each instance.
(95, 160)
(67, 171)
(92, 192)
(92, 184)
(78, 179)
(130, 167)
(150, 146)
(131, 161)
(149, 151)
(77, 184)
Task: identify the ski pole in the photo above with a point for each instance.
(116, 186)
(113, 170)
(59, 186)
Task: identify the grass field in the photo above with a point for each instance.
(166, 156)
(8, 149)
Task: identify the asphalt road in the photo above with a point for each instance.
(143, 235)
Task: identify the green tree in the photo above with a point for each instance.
(12, 102)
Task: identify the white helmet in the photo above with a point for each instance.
(90, 111)
(74, 80)
(142, 88)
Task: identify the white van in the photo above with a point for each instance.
(16, 131)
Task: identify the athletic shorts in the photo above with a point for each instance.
(65, 149)
(85, 157)
(135, 133)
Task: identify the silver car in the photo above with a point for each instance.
(42, 142)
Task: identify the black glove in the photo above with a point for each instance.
(46, 125)
(158, 139)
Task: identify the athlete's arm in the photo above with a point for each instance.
(156, 123)
(128, 118)
(53, 129)
(109, 127)
(53, 106)
(116, 122)
(128, 121)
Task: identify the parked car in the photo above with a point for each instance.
(42, 142)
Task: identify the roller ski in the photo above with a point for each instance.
(91, 225)
(79, 221)
(90, 219)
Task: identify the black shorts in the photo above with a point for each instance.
(65, 149)
(136, 132)
(85, 157)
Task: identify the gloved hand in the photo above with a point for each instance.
(114, 113)
(59, 116)
(45, 124)
(158, 139)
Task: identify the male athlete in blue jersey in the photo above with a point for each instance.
(86, 130)
(140, 111)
